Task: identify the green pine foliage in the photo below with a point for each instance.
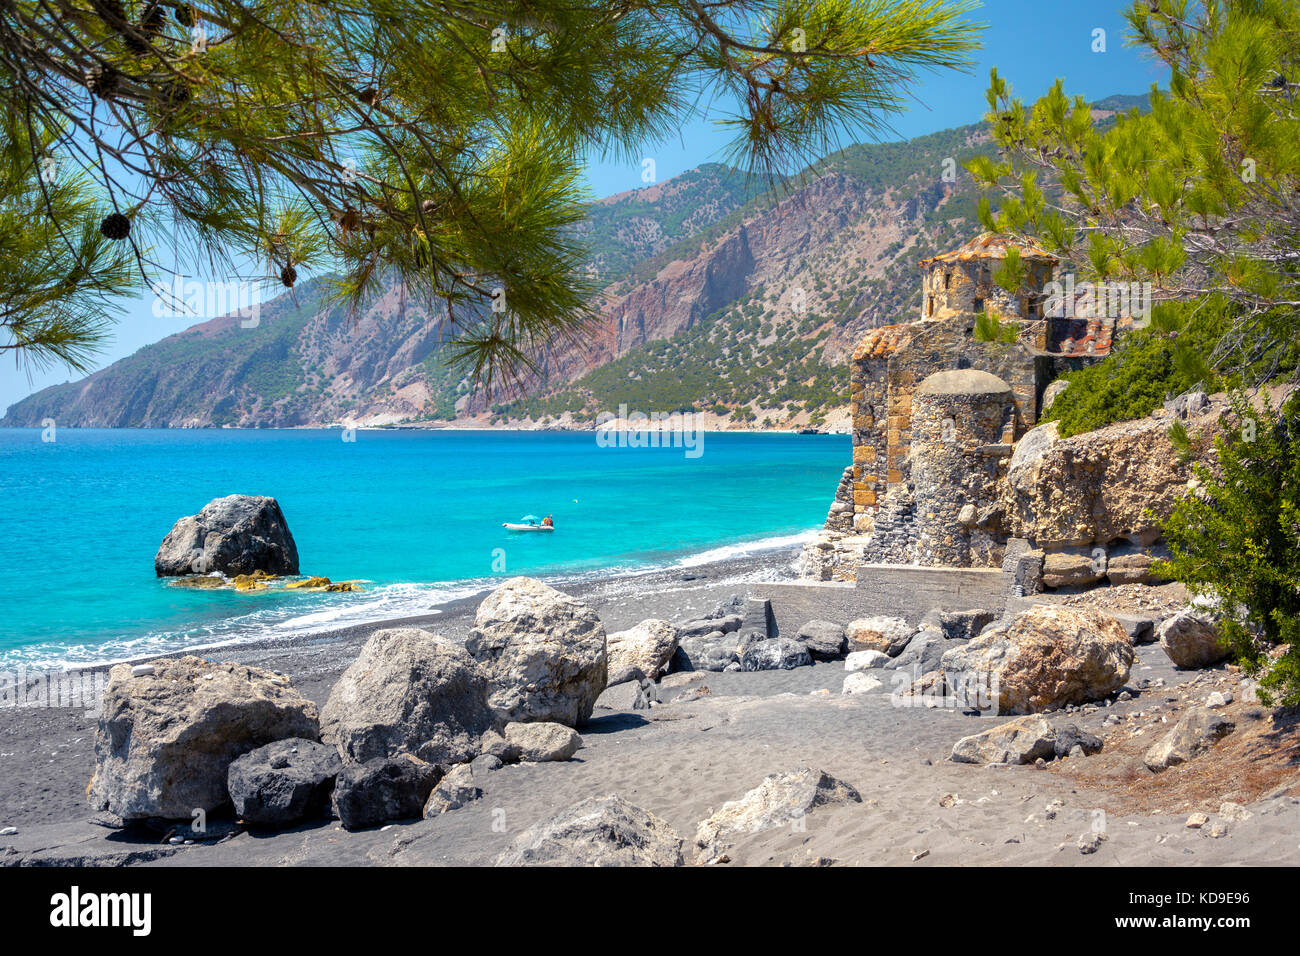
(60, 277)
(1197, 194)
(439, 142)
(990, 327)
(1236, 540)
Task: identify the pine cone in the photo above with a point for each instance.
(288, 276)
(175, 93)
(153, 20)
(134, 41)
(102, 81)
(184, 14)
(111, 12)
(115, 226)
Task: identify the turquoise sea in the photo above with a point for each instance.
(415, 514)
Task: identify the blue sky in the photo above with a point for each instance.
(1031, 43)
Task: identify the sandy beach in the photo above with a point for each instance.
(715, 736)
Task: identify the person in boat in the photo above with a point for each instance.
(548, 522)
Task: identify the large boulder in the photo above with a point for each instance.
(641, 652)
(237, 534)
(387, 788)
(1016, 742)
(283, 783)
(780, 799)
(774, 654)
(1120, 481)
(413, 692)
(1070, 571)
(1195, 733)
(599, 831)
(1191, 639)
(825, 640)
(167, 737)
(540, 741)
(1047, 657)
(714, 651)
(544, 652)
(889, 635)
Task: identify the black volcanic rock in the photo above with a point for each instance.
(283, 783)
(237, 534)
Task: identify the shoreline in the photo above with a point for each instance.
(715, 736)
(772, 553)
(47, 753)
(419, 427)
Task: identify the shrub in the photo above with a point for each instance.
(1237, 540)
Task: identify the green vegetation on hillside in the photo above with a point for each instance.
(724, 364)
(688, 203)
(1151, 365)
(440, 142)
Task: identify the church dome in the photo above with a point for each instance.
(964, 381)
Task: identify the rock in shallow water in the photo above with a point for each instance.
(237, 534)
(413, 692)
(166, 740)
(543, 651)
(284, 782)
(599, 831)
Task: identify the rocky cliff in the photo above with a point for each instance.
(718, 295)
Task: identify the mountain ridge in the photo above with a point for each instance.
(719, 295)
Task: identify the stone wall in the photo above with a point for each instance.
(886, 369)
(885, 589)
(964, 421)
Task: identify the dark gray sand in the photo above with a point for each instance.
(47, 754)
(685, 758)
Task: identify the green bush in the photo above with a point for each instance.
(1167, 358)
(1237, 540)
